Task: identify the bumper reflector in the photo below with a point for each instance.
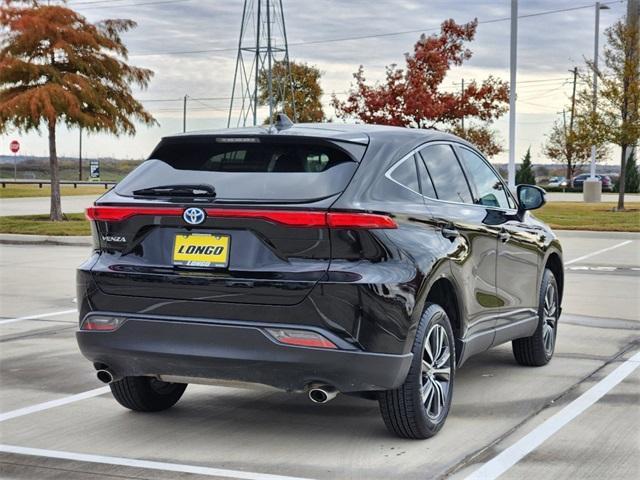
(102, 324)
(301, 338)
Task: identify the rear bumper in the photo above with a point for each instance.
(236, 352)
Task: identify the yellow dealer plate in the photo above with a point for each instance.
(201, 250)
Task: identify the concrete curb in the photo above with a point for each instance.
(19, 239)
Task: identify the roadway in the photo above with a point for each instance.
(538, 422)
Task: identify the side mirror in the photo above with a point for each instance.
(530, 197)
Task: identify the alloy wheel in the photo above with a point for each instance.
(436, 371)
(549, 318)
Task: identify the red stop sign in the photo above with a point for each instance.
(14, 146)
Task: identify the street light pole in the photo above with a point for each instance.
(512, 94)
(592, 187)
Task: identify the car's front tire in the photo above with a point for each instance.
(146, 394)
(537, 350)
(419, 407)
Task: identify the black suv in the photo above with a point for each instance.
(359, 259)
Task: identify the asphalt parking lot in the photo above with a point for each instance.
(578, 417)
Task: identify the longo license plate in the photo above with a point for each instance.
(201, 250)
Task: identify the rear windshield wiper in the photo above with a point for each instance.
(182, 191)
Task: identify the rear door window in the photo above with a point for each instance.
(448, 178)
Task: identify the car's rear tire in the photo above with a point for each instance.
(146, 394)
(411, 411)
(537, 350)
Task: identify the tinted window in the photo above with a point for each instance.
(249, 170)
(405, 174)
(445, 171)
(219, 155)
(489, 189)
(426, 185)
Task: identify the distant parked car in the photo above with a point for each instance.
(607, 184)
(557, 182)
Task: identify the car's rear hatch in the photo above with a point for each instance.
(264, 237)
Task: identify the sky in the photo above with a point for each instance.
(320, 32)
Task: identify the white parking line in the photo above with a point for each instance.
(598, 252)
(40, 315)
(53, 403)
(131, 462)
(516, 452)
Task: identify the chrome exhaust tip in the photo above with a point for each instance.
(104, 376)
(322, 393)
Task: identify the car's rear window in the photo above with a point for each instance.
(253, 169)
(222, 155)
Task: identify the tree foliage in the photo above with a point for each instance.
(572, 147)
(56, 67)
(525, 175)
(617, 117)
(413, 97)
(305, 80)
(632, 177)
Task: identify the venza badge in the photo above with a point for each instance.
(194, 216)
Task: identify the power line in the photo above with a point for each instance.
(90, 5)
(363, 37)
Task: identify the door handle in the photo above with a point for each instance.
(450, 233)
(504, 236)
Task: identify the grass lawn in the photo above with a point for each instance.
(76, 224)
(590, 216)
(16, 191)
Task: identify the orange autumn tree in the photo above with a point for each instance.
(58, 68)
(412, 97)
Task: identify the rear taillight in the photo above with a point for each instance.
(300, 338)
(359, 220)
(117, 214)
(291, 218)
(102, 324)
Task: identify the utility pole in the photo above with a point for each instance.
(512, 94)
(184, 113)
(80, 156)
(462, 94)
(573, 98)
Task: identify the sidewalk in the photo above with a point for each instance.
(40, 205)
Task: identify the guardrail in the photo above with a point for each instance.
(41, 183)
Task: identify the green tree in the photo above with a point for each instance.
(632, 177)
(305, 81)
(58, 68)
(617, 116)
(525, 175)
(572, 147)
